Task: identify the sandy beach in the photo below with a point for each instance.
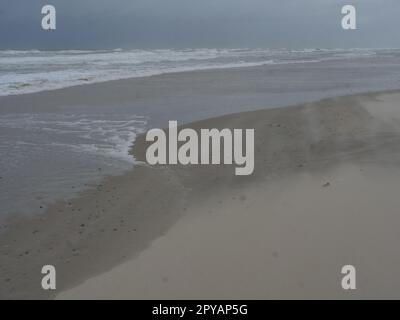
(323, 194)
(195, 156)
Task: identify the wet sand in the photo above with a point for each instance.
(323, 194)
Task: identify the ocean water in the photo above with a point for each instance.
(33, 71)
(45, 155)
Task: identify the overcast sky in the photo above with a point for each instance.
(97, 24)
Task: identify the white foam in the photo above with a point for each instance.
(102, 135)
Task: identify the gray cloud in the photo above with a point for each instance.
(95, 24)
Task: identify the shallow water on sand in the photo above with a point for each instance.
(46, 155)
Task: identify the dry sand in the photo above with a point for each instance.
(323, 194)
(288, 239)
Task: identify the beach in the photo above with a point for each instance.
(54, 143)
(323, 195)
(194, 157)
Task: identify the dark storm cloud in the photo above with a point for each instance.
(198, 23)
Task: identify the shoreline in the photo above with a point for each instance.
(128, 90)
(124, 217)
(209, 59)
(185, 97)
(113, 81)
